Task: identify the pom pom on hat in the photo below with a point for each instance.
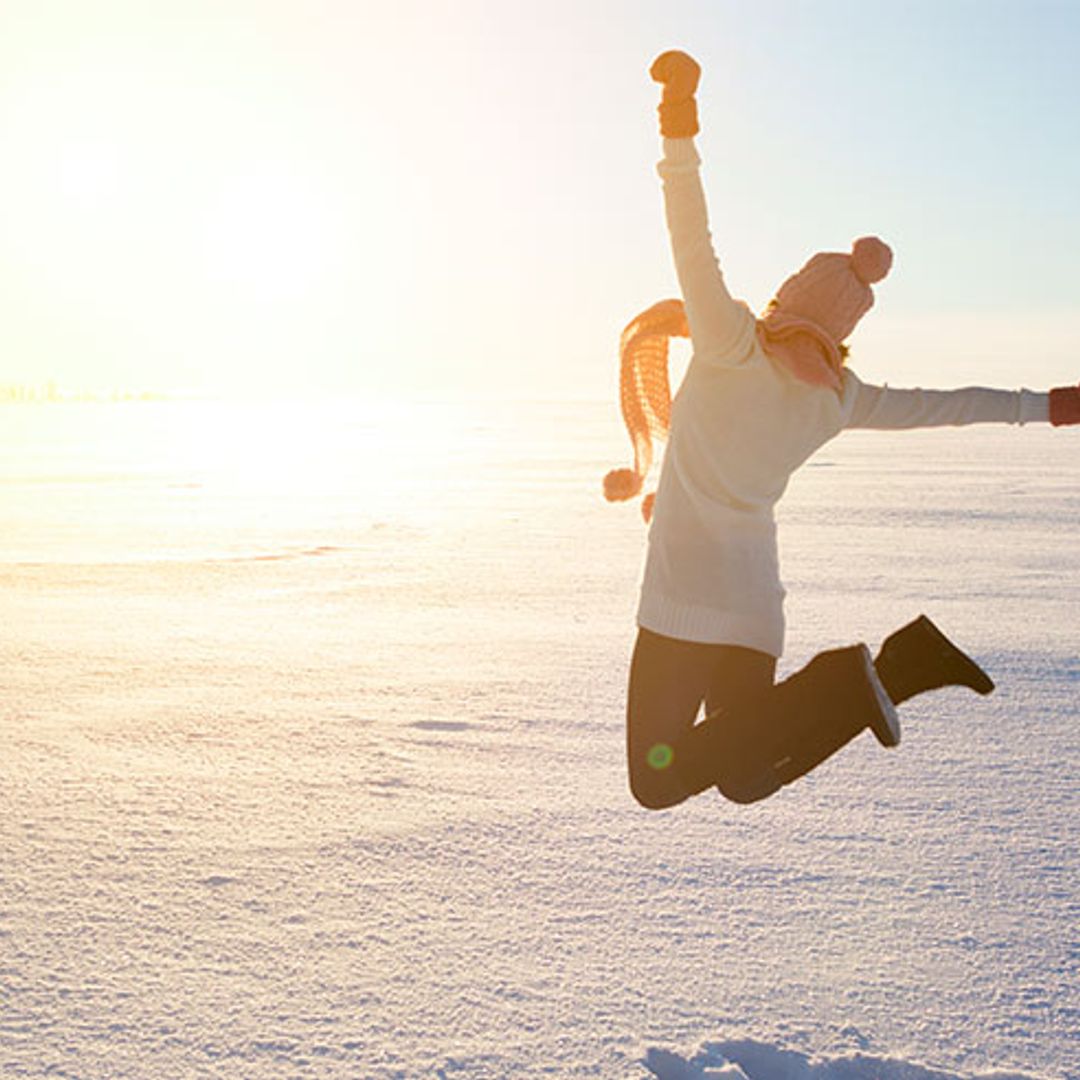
(871, 259)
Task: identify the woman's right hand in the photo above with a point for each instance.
(678, 74)
(1065, 405)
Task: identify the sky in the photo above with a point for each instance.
(423, 198)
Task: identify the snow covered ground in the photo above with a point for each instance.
(312, 762)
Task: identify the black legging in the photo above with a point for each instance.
(757, 735)
(669, 679)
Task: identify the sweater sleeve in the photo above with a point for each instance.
(868, 406)
(718, 324)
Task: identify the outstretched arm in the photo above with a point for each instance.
(869, 406)
(717, 322)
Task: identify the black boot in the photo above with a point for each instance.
(919, 657)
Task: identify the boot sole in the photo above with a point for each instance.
(886, 723)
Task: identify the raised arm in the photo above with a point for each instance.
(717, 322)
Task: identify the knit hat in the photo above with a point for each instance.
(645, 393)
(817, 308)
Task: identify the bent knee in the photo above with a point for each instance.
(653, 799)
(656, 791)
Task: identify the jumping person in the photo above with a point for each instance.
(759, 397)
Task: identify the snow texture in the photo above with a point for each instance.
(312, 762)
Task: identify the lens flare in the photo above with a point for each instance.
(660, 757)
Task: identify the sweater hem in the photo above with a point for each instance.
(709, 626)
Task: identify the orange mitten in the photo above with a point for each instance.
(679, 74)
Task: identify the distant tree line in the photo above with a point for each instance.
(49, 392)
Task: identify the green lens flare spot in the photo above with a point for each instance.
(660, 756)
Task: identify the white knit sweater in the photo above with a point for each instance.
(740, 426)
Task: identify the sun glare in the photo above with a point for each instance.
(178, 222)
(268, 235)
